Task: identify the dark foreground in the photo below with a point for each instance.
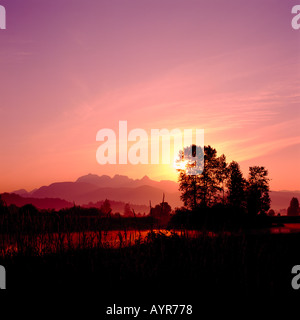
(174, 270)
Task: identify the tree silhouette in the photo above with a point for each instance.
(127, 210)
(210, 184)
(236, 186)
(202, 189)
(2, 203)
(188, 180)
(222, 175)
(293, 209)
(188, 185)
(258, 199)
(161, 210)
(106, 208)
(190, 160)
(271, 213)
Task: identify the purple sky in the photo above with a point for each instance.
(70, 68)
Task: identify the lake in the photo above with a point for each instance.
(58, 242)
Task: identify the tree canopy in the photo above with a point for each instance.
(222, 183)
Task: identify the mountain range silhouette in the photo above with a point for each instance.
(91, 188)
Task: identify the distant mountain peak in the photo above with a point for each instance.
(119, 177)
(92, 188)
(20, 192)
(94, 178)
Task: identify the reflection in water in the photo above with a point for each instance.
(55, 242)
(58, 242)
(287, 228)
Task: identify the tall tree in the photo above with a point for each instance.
(202, 189)
(188, 185)
(222, 176)
(236, 186)
(189, 162)
(258, 199)
(293, 209)
(209, 187)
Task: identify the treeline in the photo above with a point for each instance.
(221, 194)
(29, 220)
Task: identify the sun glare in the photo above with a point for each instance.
(180, 164)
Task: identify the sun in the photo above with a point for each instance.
(190, 160)
(180, 165)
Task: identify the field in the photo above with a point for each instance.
(129, 260)
(224, 263)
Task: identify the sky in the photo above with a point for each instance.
(70, 68)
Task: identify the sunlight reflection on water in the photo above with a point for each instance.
(57, 242)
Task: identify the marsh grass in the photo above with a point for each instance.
(59, 252)
(160, 262)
